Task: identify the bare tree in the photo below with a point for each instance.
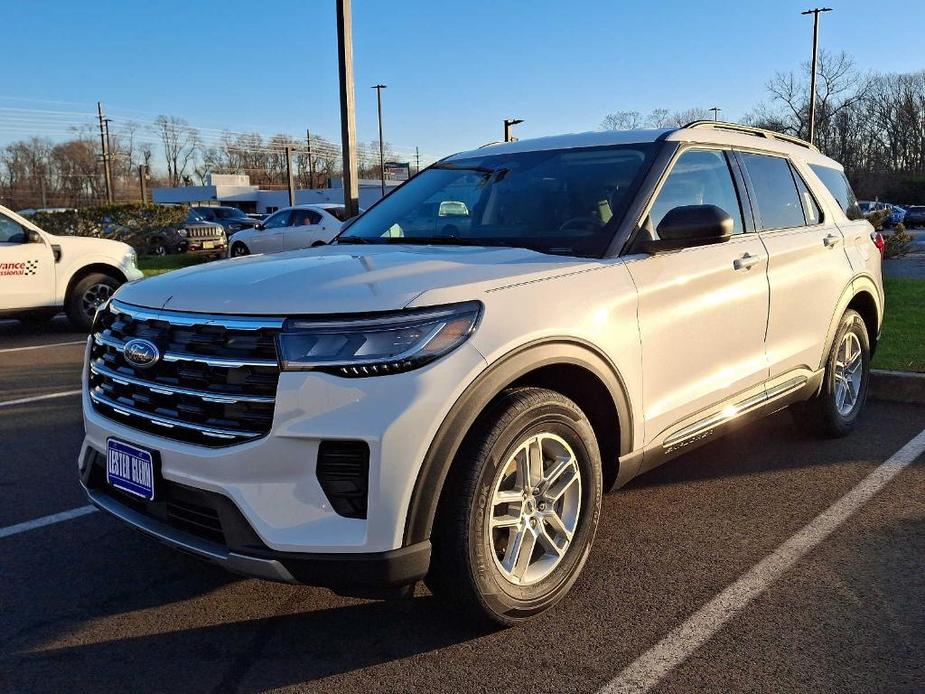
(180, 143)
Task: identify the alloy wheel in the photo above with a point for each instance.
(849, 362)
(535, 506)
(95, 296)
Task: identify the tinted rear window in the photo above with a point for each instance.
(778, 202)
(838, 186)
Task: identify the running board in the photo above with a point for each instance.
(703, 428)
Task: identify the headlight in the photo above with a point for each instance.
(376, 346)
(182, 232)
(131, 259)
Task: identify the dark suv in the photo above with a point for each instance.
(231, 218)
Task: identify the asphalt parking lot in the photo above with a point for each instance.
(90, 605)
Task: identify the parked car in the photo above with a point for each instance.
(206, 238)
(897, 215)
(915, 216)
(301, 226)
(41, 274)
(231, 218)
(412, 403)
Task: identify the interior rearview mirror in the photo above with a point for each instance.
(690, 225)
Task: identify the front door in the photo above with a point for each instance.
(27, 268)
(702, 310)
(269, 238)
(304, 229)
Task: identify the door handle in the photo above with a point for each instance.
(831, 240)
(746, 262)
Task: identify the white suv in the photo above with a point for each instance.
(446, 397)
(41, 273)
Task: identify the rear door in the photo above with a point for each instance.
(27, 268)
(702, 310)
(808, 268)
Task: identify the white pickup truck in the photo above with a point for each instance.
(41, 274)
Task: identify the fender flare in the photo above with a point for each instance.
(441, 454)
(861, 283)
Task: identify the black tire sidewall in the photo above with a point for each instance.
(239, 244)
(508, 602)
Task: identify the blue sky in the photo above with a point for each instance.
(454, 69)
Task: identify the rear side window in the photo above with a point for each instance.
(838, 186)
(777, 199)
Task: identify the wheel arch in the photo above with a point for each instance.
(572, 367)
(85, 270)
(863, 296)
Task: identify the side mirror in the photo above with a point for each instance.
(33, 236)
(690, 225)
(259, 226)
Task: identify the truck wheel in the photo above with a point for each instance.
(519, 509)
(89, 293)
(238, 249)
(834, 411)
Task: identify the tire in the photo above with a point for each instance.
(473, 567)
(86, 295)
(159, 247)
(239, 250)
(829, 413)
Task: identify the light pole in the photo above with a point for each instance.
(508, 123)
(812, 80)
(379, 88)
(716, 110)
(348, 128)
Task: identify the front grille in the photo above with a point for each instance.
(195, 232)
(214, 384)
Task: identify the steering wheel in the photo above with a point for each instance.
(586, 223)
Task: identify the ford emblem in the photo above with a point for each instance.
(142, 354)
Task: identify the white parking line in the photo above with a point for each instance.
(46, 520)
(649, 668)
(36, 398)
(54, 344)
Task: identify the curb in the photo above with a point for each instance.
(897, 386)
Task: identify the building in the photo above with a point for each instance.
(237, 191)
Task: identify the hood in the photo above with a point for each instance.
(345, 279)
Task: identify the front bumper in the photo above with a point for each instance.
(345, 572)
(272, 482)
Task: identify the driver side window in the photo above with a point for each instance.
(280, 219)
(11, 232)
(699, 177)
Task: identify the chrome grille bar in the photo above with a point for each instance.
(170, 423)
(116, 344)
(165, 389)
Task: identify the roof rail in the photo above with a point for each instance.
(749, 130)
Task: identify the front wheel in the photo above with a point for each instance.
(86, 296)
(835, 410)
(238, 250)
(519, 509)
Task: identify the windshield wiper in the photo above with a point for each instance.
(350, 239)
(449, 241)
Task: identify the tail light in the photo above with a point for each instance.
(877, 238)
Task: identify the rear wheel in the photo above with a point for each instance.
(519, 509)
(88, 294)
(238, 249)
(835, 410)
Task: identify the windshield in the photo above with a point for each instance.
(566, 202)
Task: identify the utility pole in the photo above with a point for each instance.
(812, 80)
(106, 122)
(417, 159)
(289, 176)
(107, 172)
(508, 124)
(348, 126)
(716, 110)
(311, 160)
(379, 88)
(143, 182)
